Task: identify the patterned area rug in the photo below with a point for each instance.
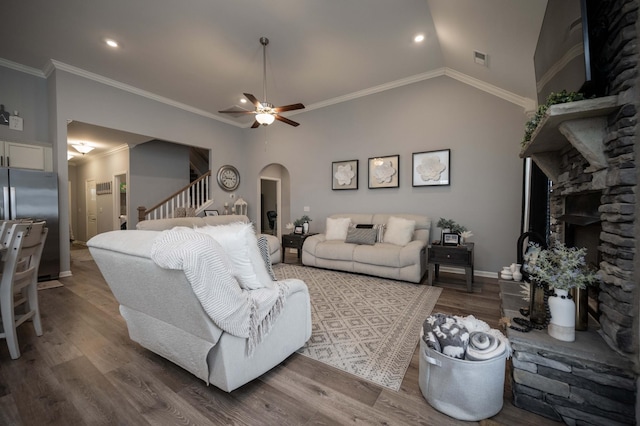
(363, 325)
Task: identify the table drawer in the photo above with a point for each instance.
(291, 241)
(449, 255)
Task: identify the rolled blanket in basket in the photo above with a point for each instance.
(444, 334)
(483, 346)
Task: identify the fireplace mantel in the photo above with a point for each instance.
(582, 124)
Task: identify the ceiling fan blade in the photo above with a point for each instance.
(286, 120)
(288, 108)
(236, 111)
(255, 124)
(253, 100)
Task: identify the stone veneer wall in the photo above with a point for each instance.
(616, 26)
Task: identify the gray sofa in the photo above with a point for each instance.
(405, 263)
(162, 224)
(164, 315)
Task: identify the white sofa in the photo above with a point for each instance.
(164, 315)
(162, 224)
(405, 263)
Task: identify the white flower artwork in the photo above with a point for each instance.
(431, 168)
(384, 172)
(344, 175)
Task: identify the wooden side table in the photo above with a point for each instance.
(294, 241)
(461, 255)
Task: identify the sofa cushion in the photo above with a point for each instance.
(399, 231)
(383, 254)
(241, 245)
(336, 229)
(361, 236)
(335, 250)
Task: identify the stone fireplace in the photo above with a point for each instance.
(588, 150)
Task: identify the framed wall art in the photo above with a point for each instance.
(432, 168)
(450, 239)
(384, 172)
(344, 175)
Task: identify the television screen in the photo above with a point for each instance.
(561, 59)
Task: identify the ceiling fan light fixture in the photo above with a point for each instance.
(81, 147)
(265, 118)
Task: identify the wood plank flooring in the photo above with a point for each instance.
(85, 370)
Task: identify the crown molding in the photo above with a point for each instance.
(134, 90)
(22, 68)
(527, 104)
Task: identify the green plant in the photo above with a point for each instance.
(303, 219)
(553, 99)
(559, 266)
(451, 225)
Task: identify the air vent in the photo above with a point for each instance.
(480, 58)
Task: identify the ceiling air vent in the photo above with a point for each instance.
(480, 58)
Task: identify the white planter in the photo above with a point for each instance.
(305, 227)
(563, 317)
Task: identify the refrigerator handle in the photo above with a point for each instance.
(5, 204)
(13, 202)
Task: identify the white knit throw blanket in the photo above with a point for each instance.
(242, 313)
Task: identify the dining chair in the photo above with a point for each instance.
(19, 282)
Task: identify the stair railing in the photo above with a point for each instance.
(195, 195)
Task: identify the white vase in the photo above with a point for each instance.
(305, 228)
(562, 325)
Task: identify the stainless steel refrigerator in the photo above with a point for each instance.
(33, 194)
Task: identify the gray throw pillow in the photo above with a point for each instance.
(361, 236)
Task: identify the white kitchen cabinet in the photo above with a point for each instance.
(24, 156)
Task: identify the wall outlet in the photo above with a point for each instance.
(307, 208)
(232, 195)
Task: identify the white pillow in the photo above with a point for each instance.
(336, 229)
(399, 231)
(241, 246)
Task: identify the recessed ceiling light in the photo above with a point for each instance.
(111, 43)
(419, 38)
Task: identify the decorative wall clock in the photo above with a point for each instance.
(228, 178)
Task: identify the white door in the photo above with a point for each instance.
(92, 209)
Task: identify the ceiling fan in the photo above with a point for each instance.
(265, 112)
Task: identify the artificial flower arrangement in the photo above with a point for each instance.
(559, 266)
(302, 220)
(452, 226)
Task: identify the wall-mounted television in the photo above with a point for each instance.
(563, 59)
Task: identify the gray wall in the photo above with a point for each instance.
(27, 94)
(157, 169)
(482, 131)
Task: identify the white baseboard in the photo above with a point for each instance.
(65, 274)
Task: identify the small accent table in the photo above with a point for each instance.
(461, 255)
(294, 241)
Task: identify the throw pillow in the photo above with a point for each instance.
(263, 245)
(399, 231)
(361, 236)
(336, 229)
(241, 245)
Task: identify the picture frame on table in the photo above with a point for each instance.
(298, 230)
(450, 239)
(431, 168)
(211, 213)
(344, 175)
(384, 172)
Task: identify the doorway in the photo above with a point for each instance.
(92, 209)
(270, 205)
(120, 201)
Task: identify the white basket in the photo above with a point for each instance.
(465, 390)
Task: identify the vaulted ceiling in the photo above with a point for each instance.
(203, 54)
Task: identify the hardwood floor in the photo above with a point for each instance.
(85, 370)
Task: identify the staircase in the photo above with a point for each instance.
(194, 198)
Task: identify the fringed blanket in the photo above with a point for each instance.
(242, 313)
